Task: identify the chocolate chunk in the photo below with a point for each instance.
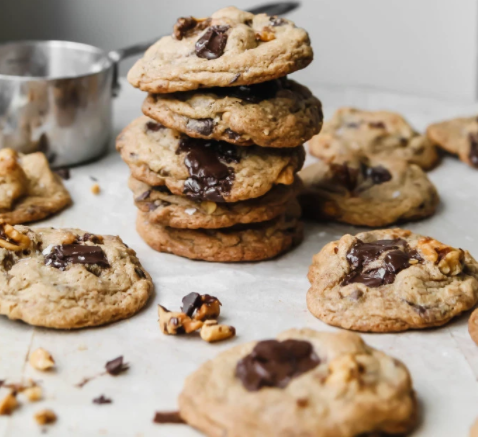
(8, 262)
(212, 43)
(201, 126)
(473, 154)
(232, 135)
(140, 273)
(377, 125)
(277, 21)
(102, 400)
(275, 364)
(209, 178)
(345, 176)
(88, 237)
(64, 173)
(61, 255)
(349, 177)
(397, 258)
(154, 126)
(185, 26)
(116, 366)
(253, 93)
(143, 196)
(377, 174)
(168, 417)
(191, 302)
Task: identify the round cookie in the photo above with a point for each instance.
(458, 137)
(372, 192)
(29, 190)
(278, 113)
(371, 133)
(66, 278)
(305, 383)
(162, 207)
(204, 170)
(230, 48)
(389, 281)
(241, 243)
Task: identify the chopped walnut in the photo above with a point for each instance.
(12, 240)
(452, 262)
(8, 404)
(41, 360)
(265, 35)
(33, 393)
(209, 206)
(286, 176)
(211, 331)
(45, 416)
(176, 323)
(95, 189)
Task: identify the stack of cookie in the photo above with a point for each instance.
(214, 159)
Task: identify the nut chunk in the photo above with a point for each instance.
(41, 360)
(8, 404)
(176, 323)
(211, 331)
(46, 416)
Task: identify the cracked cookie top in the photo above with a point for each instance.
(391, 280)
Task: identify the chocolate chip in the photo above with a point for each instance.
(232, 135)
(116, 366)
(102, 400)
(277, 21)
(209, 178)
(143, 196)
(274, 363)
(191, 302)
(168, 417)
(63, 172)
(61, 255)
(139, 272)
(154, 126)
(201, 126)
(473, 154)
(377, 125)
(212, 43)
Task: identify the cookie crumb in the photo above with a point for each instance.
(211, 331)
(41, 360)
(45, 416)
(116, 366)
(102, 400)
(95, 189)
(8, 404)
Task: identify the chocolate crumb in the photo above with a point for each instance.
(191, 302)
(63, 173)
(102, 400)
(116, 366)
(172, 417)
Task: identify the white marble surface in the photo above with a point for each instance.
(260, 300)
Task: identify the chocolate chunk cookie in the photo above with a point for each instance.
(457, 136)
(390, 281)
(278, 113)
(66, 278)
(230, 48)
(162, 207)
(374, 192)
(373, 133)
(29, 190)
(241, 243)
(304, 383)
(204, 170)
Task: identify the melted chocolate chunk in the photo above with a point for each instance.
(201, 126)
(275, 364)
(210, 178)
(397, 258)
(191, 302)
(154, 126)
(212, 43)
(473, 154)
(102, 400)
(345, 176)
(116, 366)
(277, 21)
(61, 255)
(377, 174)
(168, 417)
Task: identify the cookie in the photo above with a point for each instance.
(458, 137)
(391, 280)
(204, 170)
(241, 243)
(29, 190)
(372, 192)
(230, 48)
(371, 133)
(474, 429)
(304, 383)
(278, 113)
(162, 207)
(473, 326)
(66, 278)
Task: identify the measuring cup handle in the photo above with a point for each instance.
(118, 55)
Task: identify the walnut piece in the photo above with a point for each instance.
(211, 331)
(8, 404)
(41, 360)
(13, 181)
(176, 323)
(209, 206)
(210, 308)
(265, 35)
(16, 240)
(33, 393)
(45, 416)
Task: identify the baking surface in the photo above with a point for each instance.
(259, 299)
